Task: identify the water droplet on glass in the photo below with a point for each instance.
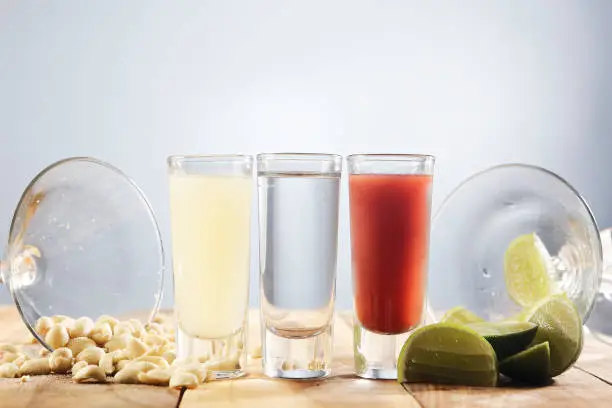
(485, 273)
(68, 226)
(81, 248)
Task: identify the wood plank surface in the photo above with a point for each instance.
(341, 389)
(587, 385)
(58, 391)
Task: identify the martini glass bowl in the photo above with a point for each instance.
(83, 242)
(479, 219)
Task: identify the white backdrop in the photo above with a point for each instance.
(475, 83)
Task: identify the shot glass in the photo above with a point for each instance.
(390, 205)
(210, 212)
(298, 235)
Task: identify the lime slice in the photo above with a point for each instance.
(559, 324)
(531, 365)
(446, 353)
(526, 267)
(460, 315)
(506, 337)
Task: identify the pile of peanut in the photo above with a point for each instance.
(125, 352)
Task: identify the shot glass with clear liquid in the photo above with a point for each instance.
(210, 212)
(390, 202)
(298, 230)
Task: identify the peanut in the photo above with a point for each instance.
(36, 366)
(155, 328)
(101, 333)
(197, 369)
(169, 356)
(180, 379)
(111, 321)
(157, 376)
(152, 339)
(59, 318)
(91, 373)
(43, 325)
(107, 364)
(158, 361)
(127, 376)
(82, 327)
(141, 366)
(135, 348)
(60, 360)
(234, 364)
(138, 329)
(117, 343)
(119, 355)
(60, 365)
(8, 370)
(79, 365)
(154, 351)
(67, 322)
(57, 336)
(62, 352)
(123, 328)
(121, 364)
(77, 345)
(91, 355)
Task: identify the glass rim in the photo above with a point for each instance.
(299, 157)
(391, 157)
(209, 158)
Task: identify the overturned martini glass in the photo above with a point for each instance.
(479, 220)
(83, 241)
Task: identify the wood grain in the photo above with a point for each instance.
(596, 359)
(58, 391)
(574, 389)
(342, 389)
(584, 386)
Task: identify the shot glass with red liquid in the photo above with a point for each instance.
(390, 206)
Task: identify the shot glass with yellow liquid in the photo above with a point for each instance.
(210, 211)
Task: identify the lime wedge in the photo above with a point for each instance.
(446, 353)
(460, 315)
(506, 337)
(559, 324)
(531, 365)
(526, 267)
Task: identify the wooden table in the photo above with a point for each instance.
(589, 384)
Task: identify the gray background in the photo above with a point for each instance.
(475, 83)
